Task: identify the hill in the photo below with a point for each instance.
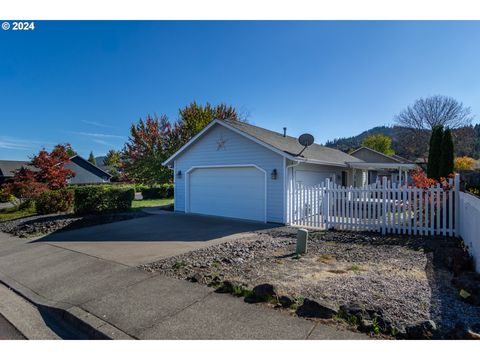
(404, 143)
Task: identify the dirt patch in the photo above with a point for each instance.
(34, 226)
(395, 273)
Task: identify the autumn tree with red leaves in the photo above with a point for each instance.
(51, 167)
(149, 144)
(46, 171)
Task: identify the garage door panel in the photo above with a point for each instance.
(230, 192)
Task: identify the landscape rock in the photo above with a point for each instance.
(226, 287)
(197, 277)
(424, 330)
(362, 312)
(264, 291)
(366, 325)
(286, 301)
(317, 309)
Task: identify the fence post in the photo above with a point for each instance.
(456, 211)
(326, 204)
(384, 204)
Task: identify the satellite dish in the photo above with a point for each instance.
(306, 140)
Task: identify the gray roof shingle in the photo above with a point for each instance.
(7, 167)
(290, 145)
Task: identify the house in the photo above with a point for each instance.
(85, 172)
(238, 170)
(395, 168)
(8, 167)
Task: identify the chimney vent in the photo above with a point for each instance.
(284, 132)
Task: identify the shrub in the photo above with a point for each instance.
(6, 196)
(140, 187)
(158, 192)
(103, 198)
(53, 201)
(463, 163)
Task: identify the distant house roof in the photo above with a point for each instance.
(285, 145)
(8, 167)
(368, 154)
(84, 163)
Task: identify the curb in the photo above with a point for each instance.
(92, 327)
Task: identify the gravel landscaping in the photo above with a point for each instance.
(34, 226)
(408, 280)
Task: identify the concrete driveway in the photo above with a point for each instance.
(142, 240)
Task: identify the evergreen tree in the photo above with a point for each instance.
(435, 152)
(91, 158)
(447, 159)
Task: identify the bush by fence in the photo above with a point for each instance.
(103, 198)
(53, 201)
(158, 192)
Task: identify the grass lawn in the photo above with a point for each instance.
(14, 213)
(137, 204)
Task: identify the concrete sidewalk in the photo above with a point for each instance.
(124, 302)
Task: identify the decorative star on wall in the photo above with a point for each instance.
(221, 143)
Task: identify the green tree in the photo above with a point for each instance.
(447, 159)
(70, 151)
(91, 158)
(194, 118)
(379, 143)
(435, 152)
(113, 158)
(113, 162)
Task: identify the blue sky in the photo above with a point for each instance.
(85, 82)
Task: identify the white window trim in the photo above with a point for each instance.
(187, 182)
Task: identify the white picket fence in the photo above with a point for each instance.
(383, 207)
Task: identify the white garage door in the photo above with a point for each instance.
(236, 192)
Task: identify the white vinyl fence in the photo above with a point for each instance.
(469, 225)
(386, 208)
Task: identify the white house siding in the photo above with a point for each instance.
(238, 150)
(311, 173)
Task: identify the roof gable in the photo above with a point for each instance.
(87, 165)
(370, 155)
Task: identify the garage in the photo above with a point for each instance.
(230, 191)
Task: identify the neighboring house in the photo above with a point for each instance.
(238, 170)
(8, 167)
(85, 172)
(395, 168)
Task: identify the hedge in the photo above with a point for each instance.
(103, 198)
(158, 192)
(53, 201)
